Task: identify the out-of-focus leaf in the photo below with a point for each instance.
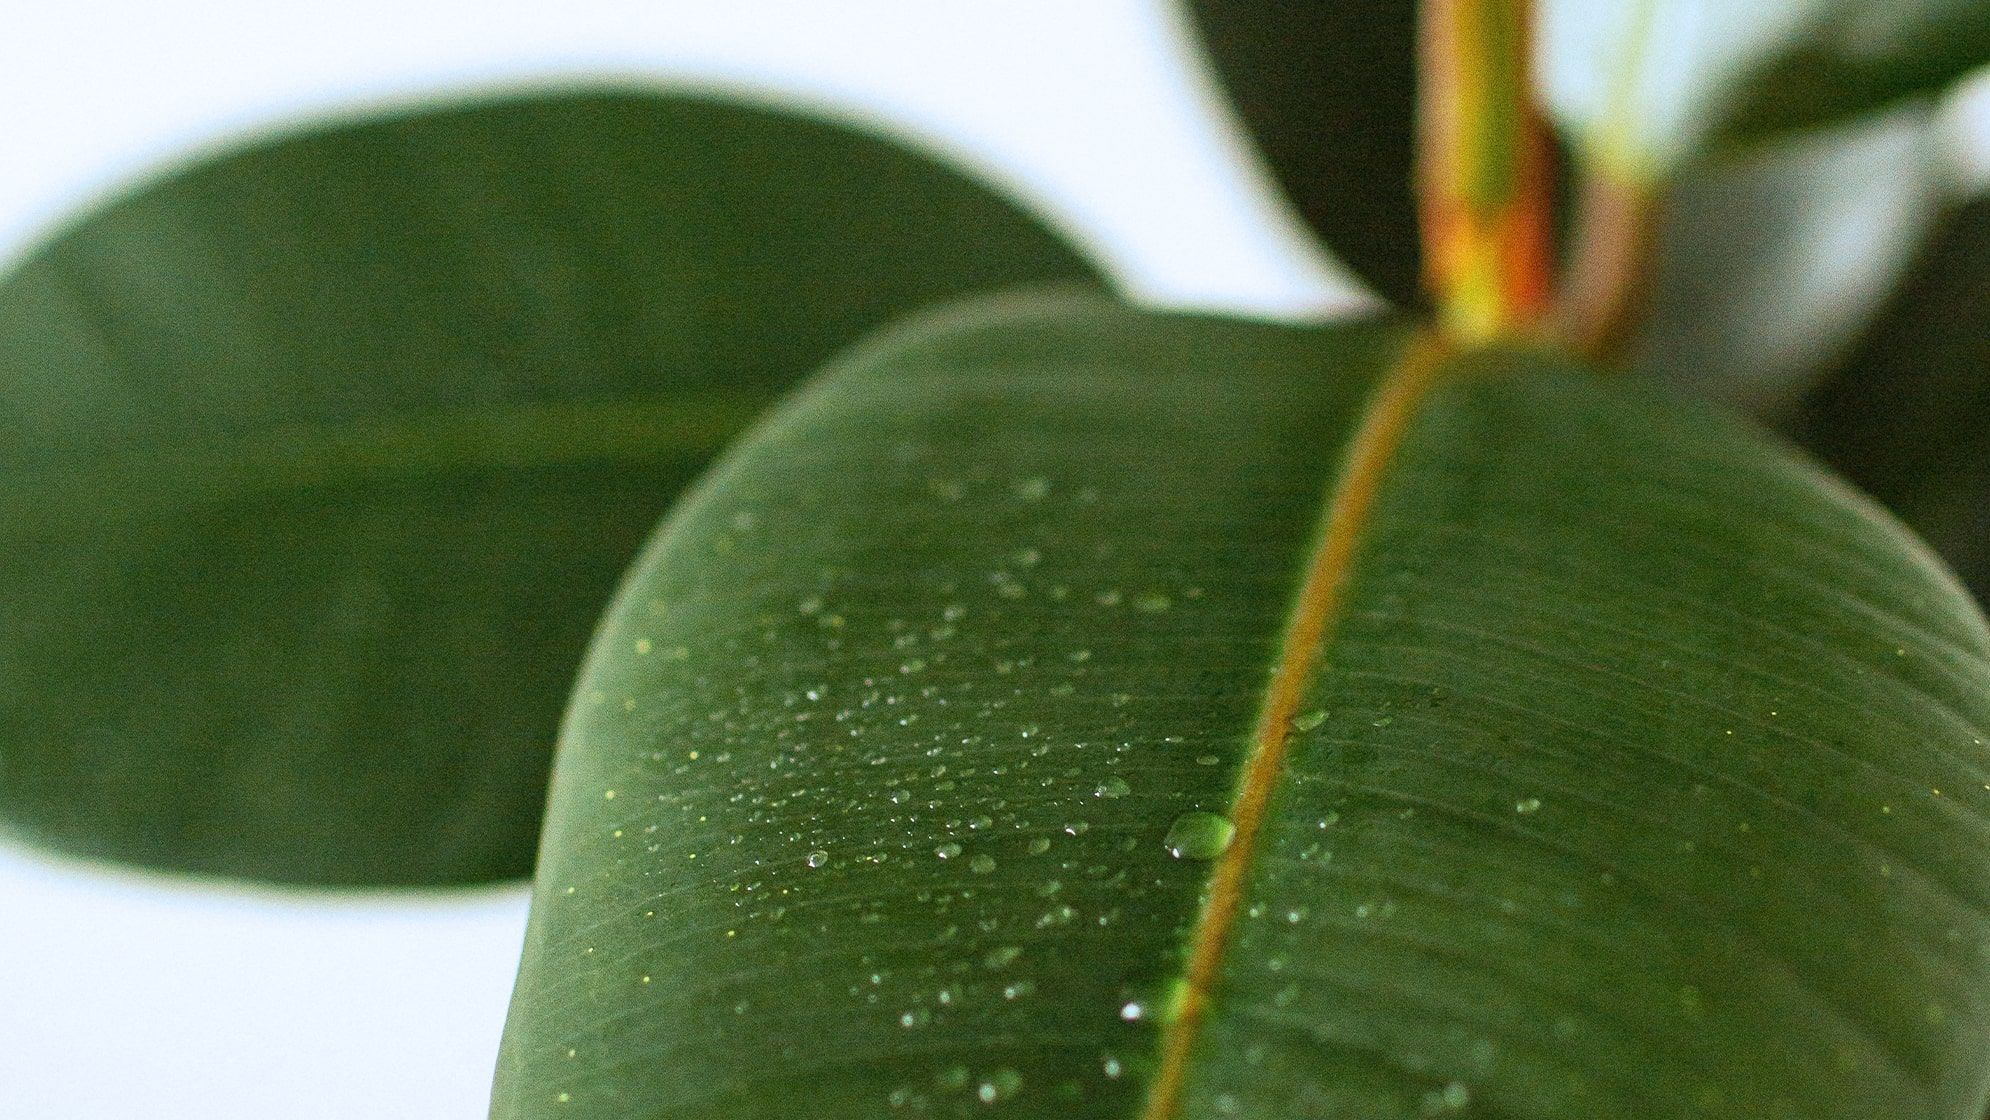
(317, 460)
(1326, 92)
(1638, 83)
(1907, 414)
(1772, 262)
(1656, 85)
(1855, 57)
(1639, 770)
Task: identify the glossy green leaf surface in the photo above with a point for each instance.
(1907, 414)
(1641, 773)
(318, 460)
(1326, 92)
(1855, 57)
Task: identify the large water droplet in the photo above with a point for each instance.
(1112, 787)
(1199, 835)
(1307, 721)
(817, 858)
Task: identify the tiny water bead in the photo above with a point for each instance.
(1112, 787)
(1307, 721)
(1199, 835)
(817, 858)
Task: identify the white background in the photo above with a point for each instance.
(126, 996)
(142, 998)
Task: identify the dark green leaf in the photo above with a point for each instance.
(1855, 57)
(1907, 415)
(1641, 773)
(1326, 91)
(317, 460)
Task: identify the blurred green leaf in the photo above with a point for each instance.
(1855, 57)
(1771, 263)
(317, 460)
(1907, 414)
(1652, 86)
(1643, 775)
(1326, 91)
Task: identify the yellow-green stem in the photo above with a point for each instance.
(1484, 182)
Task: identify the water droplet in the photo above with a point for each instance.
(817, 858)
(1112, 787)
(1133, 1011)
(1199, 835)
(1307, 721)
(1153, 603)
(947, 851)
(1033, 489)
(1039, 845)
(981, 864)
(1452, 1098)
(1001, 1083)
(1527, 805)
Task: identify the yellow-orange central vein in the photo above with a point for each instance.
(1314, 615)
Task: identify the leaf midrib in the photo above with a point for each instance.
(291, 459)
(1309, 630)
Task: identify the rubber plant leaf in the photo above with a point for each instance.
(1063, 711)
(319, 458)
(1325, 92)
(1907, 413)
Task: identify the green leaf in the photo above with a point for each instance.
(1326, 92)
(317, 460)
(1907, 414)
(1650, 86)
(1772, 263)
(1586, 754)
(1856, 57)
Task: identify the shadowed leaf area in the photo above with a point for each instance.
(318, 459)
(1907, 414)
(1325, 91)
(1638, 772)
(1854, 57)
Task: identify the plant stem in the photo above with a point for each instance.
(1604, 294)
(1485, 192)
